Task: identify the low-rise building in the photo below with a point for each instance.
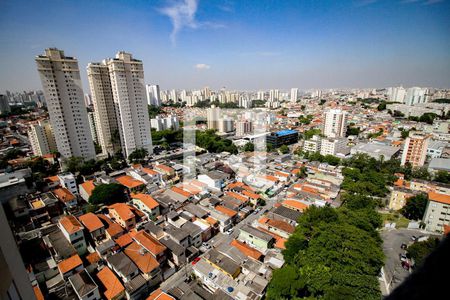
(256, 238)
(73, 232)
(84, 286)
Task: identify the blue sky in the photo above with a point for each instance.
(237, 44)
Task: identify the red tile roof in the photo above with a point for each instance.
(143, 259)
(70, 264)
(149, 242)
(113, 286)
(437, 197)
(247, 250)
(148, 200)
(91, 222)
(123, 211)
(70, 224)
(88, 186)
(129, 181)
(64, 195)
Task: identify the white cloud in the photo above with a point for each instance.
(182, 14)
(202, 66)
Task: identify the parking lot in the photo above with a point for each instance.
(392, 241)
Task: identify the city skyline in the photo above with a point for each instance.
(191, 44)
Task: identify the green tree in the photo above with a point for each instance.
(420, 250)
(415, 207)
(286, 283)
(108, 194)
(381, 106)
(153, 111)
(138, 155)
(249, 147)
(442, 176)
(284, 149)
(73, 164)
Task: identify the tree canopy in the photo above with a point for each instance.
(108, 194)
(415, 207)
(249, 147)
(336, 253)
(420, 250)
(210, 141)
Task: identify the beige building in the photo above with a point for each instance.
(437, 213)
(64, 95)
(104, 111)
(130, 101)
(335, 124)
(415, 150)
(41, 138)
(398, 198)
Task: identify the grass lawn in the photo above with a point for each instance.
(401, 221)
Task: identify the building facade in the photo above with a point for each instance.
(335, 124)
(415, 150)
(41, 138)
(61, 83)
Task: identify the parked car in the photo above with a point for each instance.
(405, 265)
(195, 260)
(402, 257)
(404, 246)
(414, 238)
(229, 231)
(206, 246)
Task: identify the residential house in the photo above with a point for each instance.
(123, 266)
(73, 232)
(147, 204)
(112, 288)
(122, 214)
(398, 198)
(86, 189)
(223, 263)
(94, 226)
(151, 244)
(255, 238)
(84, 286)
(68, 199)
(70, 266)
(132, 184)
(146, 263)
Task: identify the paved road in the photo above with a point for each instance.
(177, 278)
(392, 241)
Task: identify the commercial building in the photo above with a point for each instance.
(61, 83)
(335, 124)
(415, 150)
(41, 138)
(283, 137)
(375, 150)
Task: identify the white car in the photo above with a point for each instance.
(229, 231)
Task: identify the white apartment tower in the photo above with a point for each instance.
(153, 94)
(104, 109)
(64, 95)
(335, 123)
(294, 95)
(213, 115)
(41, 138)
(128, 87)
